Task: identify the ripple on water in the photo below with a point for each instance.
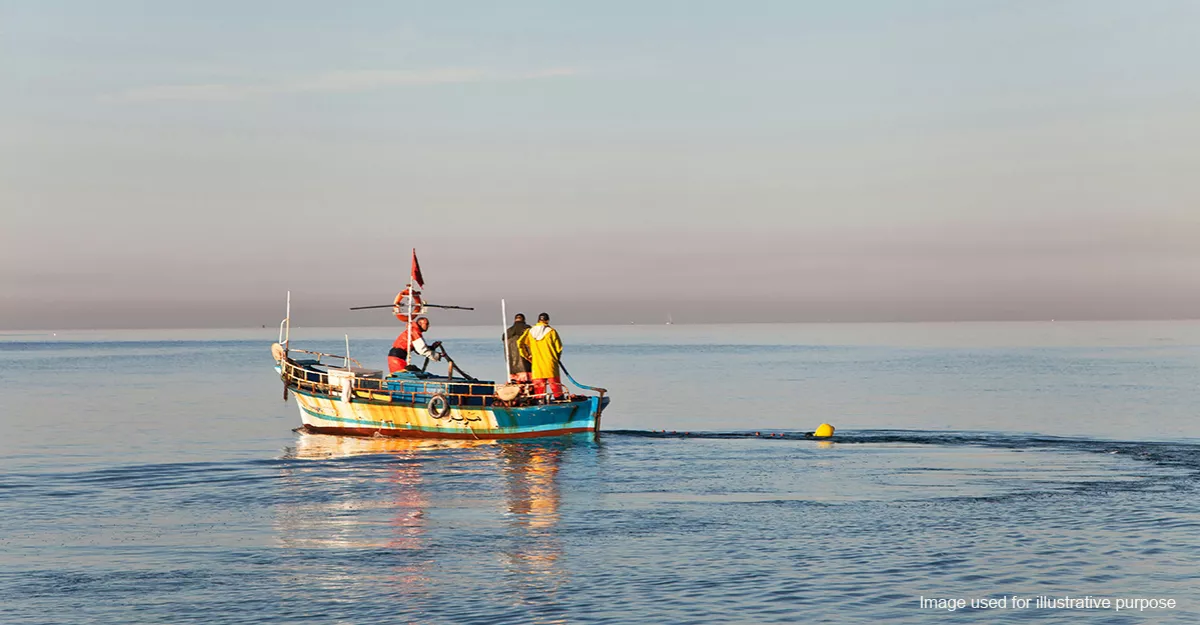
(711, 529)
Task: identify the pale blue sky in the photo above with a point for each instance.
(857, 160)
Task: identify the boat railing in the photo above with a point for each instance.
(346, 360)
(302, 376)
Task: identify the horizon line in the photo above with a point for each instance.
(41, 331)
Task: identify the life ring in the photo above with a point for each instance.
(418, 305)
(438, 406)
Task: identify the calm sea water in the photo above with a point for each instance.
(154, 477)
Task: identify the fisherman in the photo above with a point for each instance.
(518, 354)
(411, 340)
(545, 349)
(413, 336)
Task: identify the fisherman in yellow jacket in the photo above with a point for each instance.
(545, 350)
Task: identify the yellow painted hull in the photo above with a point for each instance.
(370, 417)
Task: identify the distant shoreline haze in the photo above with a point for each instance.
(213, 315)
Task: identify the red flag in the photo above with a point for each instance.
(416, 271)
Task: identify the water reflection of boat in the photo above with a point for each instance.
(319, 447)
(533, 498)
(335, 515)
(531, 472)
(405, 503)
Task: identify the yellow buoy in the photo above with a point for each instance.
(823, 431)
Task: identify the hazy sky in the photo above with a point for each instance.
(187, 163)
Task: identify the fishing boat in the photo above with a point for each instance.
(337, 395)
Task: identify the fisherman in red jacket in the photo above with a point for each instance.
(413, 337)
(411, 340)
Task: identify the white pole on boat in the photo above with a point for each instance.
(347, 351)
(286, 330)
(287, 336)
(504, 336)
(412, 279)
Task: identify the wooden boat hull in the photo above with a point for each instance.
(376, 416)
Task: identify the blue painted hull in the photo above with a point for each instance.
(370, 416)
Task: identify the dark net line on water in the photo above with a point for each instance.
(1182, 455)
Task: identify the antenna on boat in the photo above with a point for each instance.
(285, 326)
(504, 333)
(280, 349)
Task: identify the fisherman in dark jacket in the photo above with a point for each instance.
(519, 365)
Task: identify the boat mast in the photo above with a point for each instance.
(408, 324)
